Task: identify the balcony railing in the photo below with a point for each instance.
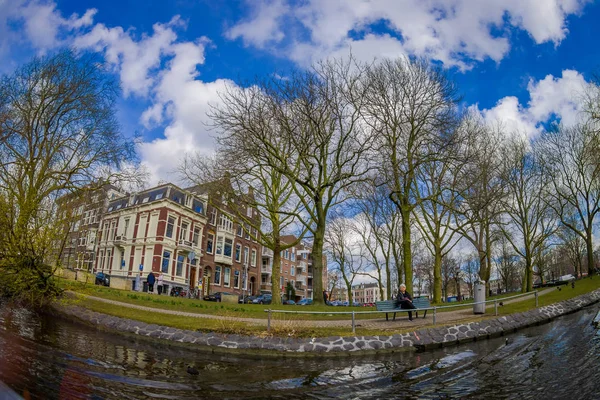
(185, 246)
(223, 259)
(225, 228)
(267, 252)
(120, 240)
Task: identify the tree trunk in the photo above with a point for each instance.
(388, 283)
(437, 275)
(406, 249)
(275, 272)
(317, 253)
(590, 252)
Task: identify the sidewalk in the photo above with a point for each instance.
(379, 323)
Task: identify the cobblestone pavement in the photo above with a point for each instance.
(379, 323)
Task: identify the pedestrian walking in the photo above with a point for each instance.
(160, 283)
(151, 279)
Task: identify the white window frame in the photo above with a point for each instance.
(218, 272)
(210, 238)
(238, 254)
(253, 258)
(227, 277)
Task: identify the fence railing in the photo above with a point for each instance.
(434, 309)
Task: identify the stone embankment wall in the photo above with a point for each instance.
(420, 339)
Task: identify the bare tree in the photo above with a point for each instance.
(438, 199)
(569, 157)
(530, 221)
(275, 211)
(377, 228)
(316, 112)
(573, 247)
(470, 268)
(409, 105)
(344, 252)
(480, 190)
(507, 263)
(59, 133)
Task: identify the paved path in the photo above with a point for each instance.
(378, 323)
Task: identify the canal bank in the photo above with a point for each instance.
(335, 345)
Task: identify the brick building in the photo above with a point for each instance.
(158, 230)
(296, 267)
(232, 256)
(83, 211)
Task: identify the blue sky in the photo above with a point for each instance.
(518, 61)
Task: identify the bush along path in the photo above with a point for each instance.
(420, 338)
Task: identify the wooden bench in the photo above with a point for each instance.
(389, 306)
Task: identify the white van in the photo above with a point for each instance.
(566, 278)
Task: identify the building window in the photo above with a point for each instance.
(240, 230)
(293, 255)
(165, 261)
(247, 230)
(184, 233)
(219, 245)
(218, 275)
(249, 212)
(170, 225)
(236, 279)
(286, 255)
(238, 252)
(145, 200)
(108, 254)
(210, 240)
(246, 254)
(122, 260)
(253, 259)
(126, 227)
(227, 277)
(180, 260)
(213, 217)
(196, 236)
(281, 281)
(226, 223)
(228, 247)
(101, 258)
(293, 271)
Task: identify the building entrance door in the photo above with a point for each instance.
(192, 278)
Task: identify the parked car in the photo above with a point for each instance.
(102, 279)
(567, 278)
(288, 302)
(219, 296)
(304, 302)
(263, 299)
(247, 299)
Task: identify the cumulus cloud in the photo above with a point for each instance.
(551, 97)
(43, 25)
(456, 32)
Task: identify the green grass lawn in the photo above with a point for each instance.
(283, 324)
(208, 307)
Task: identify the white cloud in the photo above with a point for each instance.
(561, 97)
(135, 60)
(455, 32)
(43, 25)
(263, 26)
(550, 97)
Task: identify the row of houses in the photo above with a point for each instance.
(177, 233)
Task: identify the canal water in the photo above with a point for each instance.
(48, 358)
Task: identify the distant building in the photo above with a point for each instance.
(158, 230)
(296, 267)
(232, 258)
(83, 211)
(361, 293)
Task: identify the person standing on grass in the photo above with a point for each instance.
(404, 301)
(160, 283)
(151, 279)
(138, 282)
(325, 297)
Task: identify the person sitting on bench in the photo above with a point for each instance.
(404, 301)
